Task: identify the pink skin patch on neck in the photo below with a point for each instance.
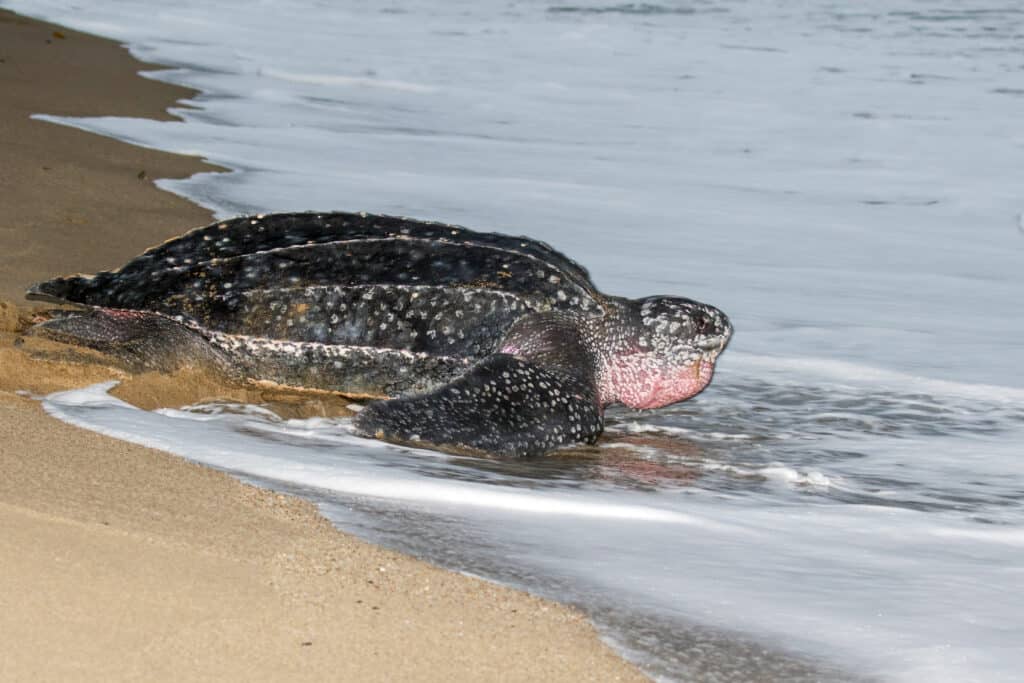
(640, 383)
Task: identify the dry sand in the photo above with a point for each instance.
(120, 562)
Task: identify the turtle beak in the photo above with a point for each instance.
(712, 344)
(726, 334)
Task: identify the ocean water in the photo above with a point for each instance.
(843, 179)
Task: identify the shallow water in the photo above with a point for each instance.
(776, 523)
(843, 180)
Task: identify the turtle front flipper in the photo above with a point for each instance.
(138, 340)
(502, 406)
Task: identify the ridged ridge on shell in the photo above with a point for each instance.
(227, 276)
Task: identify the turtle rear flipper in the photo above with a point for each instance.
(139, 340)
(502, 406)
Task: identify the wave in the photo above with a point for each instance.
(357, 81)
(857, 373)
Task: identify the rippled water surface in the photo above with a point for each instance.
(771, 529)
(843, 179)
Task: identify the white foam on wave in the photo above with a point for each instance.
(793, 477)
(334, 476)
(1006, 536)
(355, 81)
(93, 396)
(106, 125)
(778, 473)
(634, 427)
(213, 411)
(813, 575)
(799, 370)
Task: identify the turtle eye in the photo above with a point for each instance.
(702, 322)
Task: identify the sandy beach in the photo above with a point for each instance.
(119, 562)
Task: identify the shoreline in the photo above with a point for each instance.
(120, 561)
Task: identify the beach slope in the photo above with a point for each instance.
(120, 562)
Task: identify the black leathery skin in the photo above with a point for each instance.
(356, 371)
(503, 405)
(251, 234)
(557, 341)
(442, 320)
(141, 341)
(209, 293)
(283, 250)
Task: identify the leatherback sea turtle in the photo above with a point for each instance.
(484, 342)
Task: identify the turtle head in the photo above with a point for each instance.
(660, 350)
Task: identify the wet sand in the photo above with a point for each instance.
(121, 562)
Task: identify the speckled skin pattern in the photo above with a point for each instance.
(491, 343)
